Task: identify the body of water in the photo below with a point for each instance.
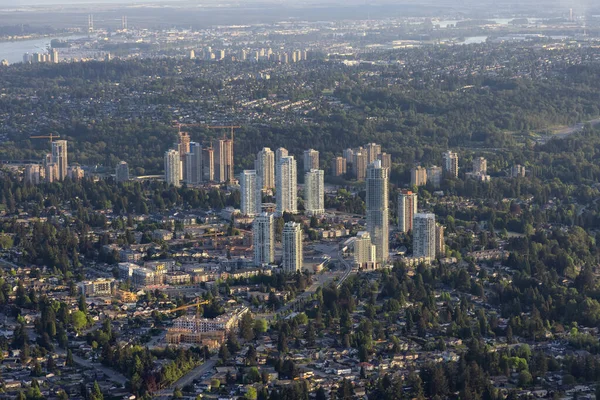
(475, 39)
(499, 21)
(13, 51)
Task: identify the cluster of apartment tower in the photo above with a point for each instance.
(283, 167)
(428, 236)
(371, 247)
(420, 176)
(54, 167)
(208, 53)
(355, 161)
(189, 162)
(278, 171)
(50, 57)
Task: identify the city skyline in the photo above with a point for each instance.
(300, 201)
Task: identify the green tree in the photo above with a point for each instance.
(6, 242)
(321, 395)
(37, 369)
(82, 304)
(253, 375)
(96, 393)
(34, 392)
(246, 326)
(310, 335)
(79, 320)
(260, 327)
(251, 393)
(50, 364)
(224, 352)
(69, 361)
(177, 394)
(525, 378)
(345, 390)
(251, 356)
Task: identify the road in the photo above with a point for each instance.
(113, 375)
(319, 280)
(565, 132)
(15, 266)
(188, 378)
(347, 270)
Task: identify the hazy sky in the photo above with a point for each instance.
(581, 6)
(541, 3)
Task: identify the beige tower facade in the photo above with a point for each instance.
(59, 157)
(407, 208)
(265, 168)
(224, 160)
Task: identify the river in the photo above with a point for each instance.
(500, 21)
(13, 51)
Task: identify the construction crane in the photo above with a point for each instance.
(179, 125)
(232, 127)
(184, 307)
(49, 136)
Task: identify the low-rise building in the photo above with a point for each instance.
(177, 278)
(161, 265)
(162, 234)
(98, 287)
(126, 270)
(146, 277)
(128, 255)
(209, 332)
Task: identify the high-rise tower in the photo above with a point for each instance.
(265, 168)
(248, 192)
(311, 160)
(292, 247)
(378, 210)
(263, 230)
(287, 190)
(208, 164)
(424, 237)
(373, 150)
(224, 160)
(314, 190)
(451, 163)
(122, 172)
(193, 164)
(172, 168)
(59, 157)
(407, 208)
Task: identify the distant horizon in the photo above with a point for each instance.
(560, 3)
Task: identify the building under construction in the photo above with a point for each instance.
(210, 332)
